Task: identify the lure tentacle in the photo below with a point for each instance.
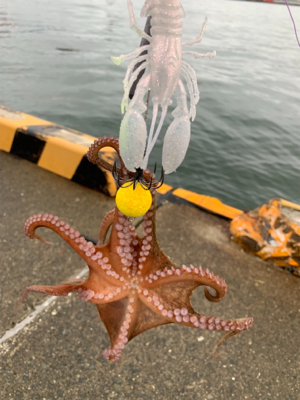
(132, 65)
(199, 37)
(199, 55)
(133, 130)
(128, 85)
(194, 97)
(192, 74)
(129, 56)
(178, 135)
(152, 140)
(133, 25)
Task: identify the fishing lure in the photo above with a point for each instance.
(295, 29)
(164, 68)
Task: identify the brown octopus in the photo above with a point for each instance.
(133, 283)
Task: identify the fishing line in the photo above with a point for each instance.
(293, 22)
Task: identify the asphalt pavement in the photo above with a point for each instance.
(58, 355)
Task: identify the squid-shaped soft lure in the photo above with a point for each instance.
(164, 67)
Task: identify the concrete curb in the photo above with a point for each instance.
(63, 151)
(55, 148)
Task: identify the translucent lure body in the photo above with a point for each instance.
(164, 69)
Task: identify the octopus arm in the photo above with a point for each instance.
(70, 235)
(190, 278)
(105, 225)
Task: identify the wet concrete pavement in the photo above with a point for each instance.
(59, 355)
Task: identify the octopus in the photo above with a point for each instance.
(134, 285)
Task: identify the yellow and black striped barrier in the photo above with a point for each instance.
(63, 151)
(208, 203)
(56, 148)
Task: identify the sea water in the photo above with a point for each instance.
(245, 145)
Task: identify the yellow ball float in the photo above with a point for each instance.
(133, 202)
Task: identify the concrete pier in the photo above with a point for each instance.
(58, 355)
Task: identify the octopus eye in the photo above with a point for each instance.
(133, 201)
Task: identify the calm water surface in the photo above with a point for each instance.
(245, 139)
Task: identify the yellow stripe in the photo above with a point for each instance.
(209, 203)
(164, 189)
(10, 121)
(61, 157)
(289, 204)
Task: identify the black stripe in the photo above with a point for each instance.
(27, 146)
(90, 175)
